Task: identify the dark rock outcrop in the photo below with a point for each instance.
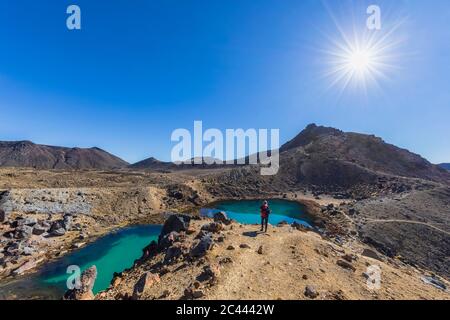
(3, 216)
(212, 227)
(200, 249)
(371, 254)
(23, 232)
(311, 292)
(176, 223)
(173, 253)
(222, 218)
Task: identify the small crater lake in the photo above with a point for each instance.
(114, 252)
(247, 211)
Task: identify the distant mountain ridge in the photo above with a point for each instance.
(152, 163)
(444, 165)
(31, 155)
(155, 164)
(325, 155)
(328, 145)
(317, 155)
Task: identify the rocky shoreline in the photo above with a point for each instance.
(29, 242)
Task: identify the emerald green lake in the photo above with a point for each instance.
(247, 211)
(118, 250)
(114, 252)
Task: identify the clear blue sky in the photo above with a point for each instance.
(140, 69)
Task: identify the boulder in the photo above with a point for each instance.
(371, 254)
(434, 282)
(147, 280)
(59, 224)
(346, 265)
(177, 194)
(169, 239)
(350, 257)
(222, 217)
(83, 236)
(244, 246)
(28, 251)
(225, 260)
(260, 250)
(78, 245)
(38, 230)
(311, 292)
(205, 244)
(14, 248)
(201, 234)
(193, 293)
(212, 227)
(338, 295)
(23, 232)
(46, 225)
(58, 232)
(15, 223)
(299, 226)
(173, 253)
(175, 222)
(29, 221)
(210, 273)
(84, 291)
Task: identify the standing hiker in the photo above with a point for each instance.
(265, 211)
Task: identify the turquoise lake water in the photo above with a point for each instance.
(114, 252)
(247, 211)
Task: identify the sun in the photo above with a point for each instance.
(360, 61)
(356, 59)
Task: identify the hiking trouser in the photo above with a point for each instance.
(264, 221)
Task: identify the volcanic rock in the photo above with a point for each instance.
(222, 218)
(147, 280)
(202, 246)
(175, 222)
(311, 292)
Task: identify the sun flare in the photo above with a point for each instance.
(358, 63)
(361, 59)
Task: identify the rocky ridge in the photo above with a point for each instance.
(29, 154)
(221, 259)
